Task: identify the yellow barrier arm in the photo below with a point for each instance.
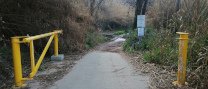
(42, 36)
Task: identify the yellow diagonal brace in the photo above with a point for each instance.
(32, 74)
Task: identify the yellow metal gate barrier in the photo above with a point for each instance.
(16, 41)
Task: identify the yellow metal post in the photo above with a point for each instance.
(17, 61)
(182, 59)
(56, 44)
(32, 57)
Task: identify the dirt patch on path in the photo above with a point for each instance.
(53, 71)
(113, 46)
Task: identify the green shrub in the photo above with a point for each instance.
(152, 56)
(163, 51)
(148, 41)
(165, 56)
(93, 38)
(119, 32)
(131, 42)
(157, 47)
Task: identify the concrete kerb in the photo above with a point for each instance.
(60, 57)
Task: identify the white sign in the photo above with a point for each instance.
(140, 31)
(140, 21)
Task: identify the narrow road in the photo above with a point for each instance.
(102, 70)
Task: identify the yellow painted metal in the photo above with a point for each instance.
(19, 80)
(41, 36)
(32, 74)
(182, 59)
(32, 57)
(17, 61)
(55, 44)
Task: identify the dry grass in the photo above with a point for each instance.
(191, 18)
(116, 12)
(119, 11)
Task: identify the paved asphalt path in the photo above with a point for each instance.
(102, 70)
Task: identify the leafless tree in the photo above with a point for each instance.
(94, 6)
(140, 9)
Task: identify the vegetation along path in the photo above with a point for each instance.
(100, 69)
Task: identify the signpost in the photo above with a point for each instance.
(140, 32)
(140, 26)
(140, 21)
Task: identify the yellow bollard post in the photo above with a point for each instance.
(17, 61)
(56, 45)
(182, 59)
(56, 56)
